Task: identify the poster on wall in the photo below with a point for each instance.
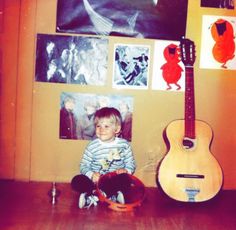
(218, 42)
(226, 4)
(77, 113)
(71, 59)
(163, 19)
(168, 69)
(130, 66)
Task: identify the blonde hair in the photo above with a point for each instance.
(108, 112)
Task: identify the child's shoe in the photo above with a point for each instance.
(87, 201)
(82, 200)
(120, 197)
(92, 200)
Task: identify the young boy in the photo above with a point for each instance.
(107, 153)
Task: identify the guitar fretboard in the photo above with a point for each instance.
(189, 103)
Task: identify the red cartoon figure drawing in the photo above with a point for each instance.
(224, 47)
(171, 70)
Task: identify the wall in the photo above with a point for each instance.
(8, 65)
(30, 148)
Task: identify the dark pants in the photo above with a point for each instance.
(109, 185)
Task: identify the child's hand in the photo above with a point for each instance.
(119, 171)
(95, 177)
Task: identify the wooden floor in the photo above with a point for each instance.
(26, 206)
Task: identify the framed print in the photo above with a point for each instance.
(131, 66)
(225, 4)
(77, 114)
(218, 42)
(163, 19)
(71, 59)
(168, 69)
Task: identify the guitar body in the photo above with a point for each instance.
(189, 174)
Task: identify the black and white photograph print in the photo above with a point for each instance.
(131, 66)
(71, 59)
(156, 19)
(77, 112)
(226, 4)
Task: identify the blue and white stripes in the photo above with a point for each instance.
(107, 157)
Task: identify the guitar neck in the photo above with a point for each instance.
(189, 103)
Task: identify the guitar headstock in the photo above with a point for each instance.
(187, 49)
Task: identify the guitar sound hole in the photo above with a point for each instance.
(188, 143)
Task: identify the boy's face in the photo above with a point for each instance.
(106, 130)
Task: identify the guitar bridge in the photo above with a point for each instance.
(190, 176)
(191, 193)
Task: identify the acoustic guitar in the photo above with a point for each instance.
(189, 172)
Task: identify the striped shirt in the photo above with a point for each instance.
(106, 157)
